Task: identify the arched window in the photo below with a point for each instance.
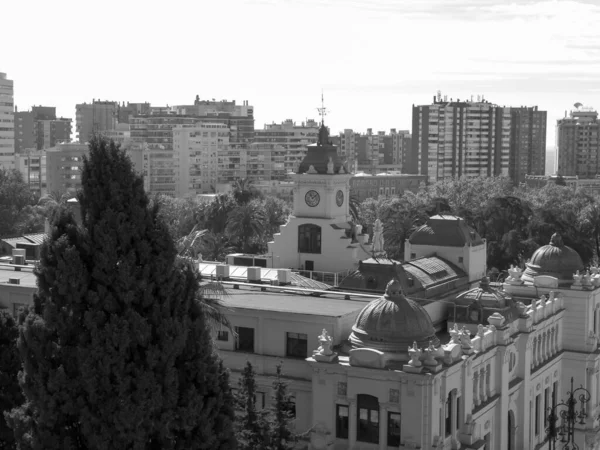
(309, 238)
(368, 419)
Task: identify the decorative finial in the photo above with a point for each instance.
(393, 288)
(556, 240)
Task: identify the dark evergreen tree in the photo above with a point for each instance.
(282, 413)
(116, 351)
(252, 429)
(10, 364)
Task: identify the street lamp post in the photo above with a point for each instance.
(568, 415)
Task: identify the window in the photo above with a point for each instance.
(413, 255)
(222, 335)
(368, 419)
(245, 339)
(546, 398)
(460, 259)
(536, 418)
(259, 400)
(309, 238)
(341, 422)
(393, 434)
(457, 413)
(17, 308)
(449, 414)
(292, 405)
(296, 345)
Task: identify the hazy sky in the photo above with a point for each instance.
(372, 58)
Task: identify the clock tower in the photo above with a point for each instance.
(322, 182)
(320, 235)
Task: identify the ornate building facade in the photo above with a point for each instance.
(487, 381)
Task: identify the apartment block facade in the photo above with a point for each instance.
(95, 117)
(32, 165)
(475, 138)
(578, 144)
(7, 122)
(40, 128)
(290, 140)
(373, 152)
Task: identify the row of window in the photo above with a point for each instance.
(296, 343)
(367, 421)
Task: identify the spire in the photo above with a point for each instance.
(322, 110)
(323, 132)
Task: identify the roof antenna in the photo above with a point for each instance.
(322, 110)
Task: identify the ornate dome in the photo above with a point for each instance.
(555, 259)
(319, 155)
(392, 323)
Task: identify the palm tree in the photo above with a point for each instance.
(246, 222)
(210, 297)
(354, 207)
(211, 293)
(243, 190)
(215, 246)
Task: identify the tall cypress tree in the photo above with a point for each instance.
(10, 364)
(281, 415)
(252, 429)
(116, 352)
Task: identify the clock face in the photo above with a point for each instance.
(312, 198)
(339, 198)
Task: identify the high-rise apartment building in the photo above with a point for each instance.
(25, 135)
(32, 165)
(238, 118)
(156, 132)
(578, 143)
(476, 138)
(199, 149)
(373, 152)
(64, 164)
(40, 129)
(7, 123)
(527, 143)
(95, 117)
(291, 140)
(126, 112)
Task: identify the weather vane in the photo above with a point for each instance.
(322, 110)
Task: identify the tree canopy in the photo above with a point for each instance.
(116, 351)
(514, 221)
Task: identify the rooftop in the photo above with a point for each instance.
(291, 302)
(26, 276)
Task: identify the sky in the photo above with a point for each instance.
(373, 59)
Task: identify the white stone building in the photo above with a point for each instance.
(446, 366)
(319, 235)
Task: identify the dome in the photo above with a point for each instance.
(446, 231)
(392, 323)
(556, 260)
(319, 156)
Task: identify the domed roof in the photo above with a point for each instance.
(555, 259)
(320, 154)
(392, 323)
(447, 231)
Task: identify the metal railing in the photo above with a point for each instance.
(331, 278)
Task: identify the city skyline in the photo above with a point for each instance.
(524, 53)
